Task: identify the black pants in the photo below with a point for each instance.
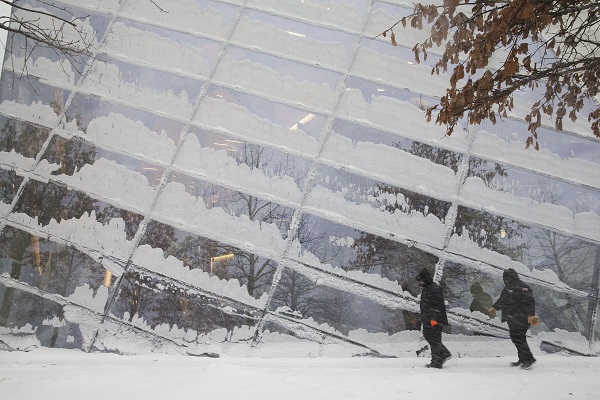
(518, 335)
(433, 335)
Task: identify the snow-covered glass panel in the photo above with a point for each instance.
(90, 168)
(532, 197)
(359, 255)
(559, 259)
(294, 40)
(123, 129)
(54, 268)
(376, 204)
(561, 154)
(242, 164)
(346, 15)
(9, 185)
(398, 111)
(260, 120)
(20, 142)
(28, 99)
(320, 302)
(174, 51)
(142, 87)
(401, 161)
(277, 78)
(28, 321)
(182, 314)
(74, 216)
(205, 263)
(216, 18)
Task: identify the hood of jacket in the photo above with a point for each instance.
(425, 276)
(510, 276)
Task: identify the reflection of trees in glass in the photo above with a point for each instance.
(294, 291)
(410, 201)
(9, 185)
(437, 155)
(52, 267)
(22, 137)
(457, 281)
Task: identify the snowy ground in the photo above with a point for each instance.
(72, 374)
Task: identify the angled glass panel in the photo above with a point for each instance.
(142, 87)
(159, 305)
(532, 197)
(30, 58)
(125, 129)
(328, 307)
(54, 268)
(74, 216)
(28, 99)
(87, 167)
(396, 65)
(338, 248)
(175, 51)
(206, 263)
(288, 81)
(33, 321)
(20, 142)
(561, 154)
(217, 18)
(240, 218)
(294, 40)
(379, 205)
(347, 15)
(262, 121)
(397, 111)
(243, 164)
(384, 15)
(559, 259)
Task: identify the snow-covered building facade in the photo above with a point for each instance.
(255, 170)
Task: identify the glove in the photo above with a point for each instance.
(533, 320)
(492, 312)
(433, 322)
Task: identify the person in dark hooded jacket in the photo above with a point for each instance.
(518, 309)
(434, 318)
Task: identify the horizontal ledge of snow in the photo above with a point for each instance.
(13, 159)
(357, 282)
(337, 15)
(257, 34)
(392, 165)
(55, 73)
(478, 322)
(474, 192)
(85, 297)
(262, 79)
(299, 329)
(187, 15)
(5, 209)
(125, 135)
(107, 179)
(36, 113)
(190, 212)
(154, 260)
(104, 80)
(415, 226)
(571, 340)
(85, 233)
(396, 71)
(462, 245)
(489, 146)
(217, 165)
(153, 49)
(239, 121)
(401, 117)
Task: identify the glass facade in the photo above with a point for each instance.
(234, 170)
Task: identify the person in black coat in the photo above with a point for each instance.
(518, 309)
(434, 318)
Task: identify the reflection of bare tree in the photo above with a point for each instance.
(294, 291)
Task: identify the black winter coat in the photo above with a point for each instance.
(432, 301)
(516, 300)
